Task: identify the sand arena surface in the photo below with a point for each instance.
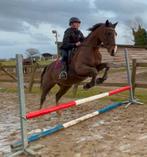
(120, 133)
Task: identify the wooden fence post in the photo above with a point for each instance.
(134, 66)
(31, 82)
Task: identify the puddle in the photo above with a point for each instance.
(8, 126)
(5, 140)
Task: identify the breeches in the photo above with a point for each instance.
(64, 54)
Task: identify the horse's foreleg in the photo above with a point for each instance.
(93, 74)
(87, 71)
(104, 77)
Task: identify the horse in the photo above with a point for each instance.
(86, 62)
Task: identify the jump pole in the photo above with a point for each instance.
(62, 106)
(59, 127)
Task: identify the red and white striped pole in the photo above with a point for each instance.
(74, 103)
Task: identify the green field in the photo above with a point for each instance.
(81, 93)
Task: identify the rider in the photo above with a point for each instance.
(71, 40)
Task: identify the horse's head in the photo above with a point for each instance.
(108, 37)
(105, 33)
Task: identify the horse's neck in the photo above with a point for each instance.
(90, 47)
(91, 41)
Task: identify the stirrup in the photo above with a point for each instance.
(63, 75)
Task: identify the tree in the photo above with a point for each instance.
(32, 53)
(140, 36)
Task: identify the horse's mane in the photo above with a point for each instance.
(94, 27)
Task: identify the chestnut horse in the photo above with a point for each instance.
(86, 62)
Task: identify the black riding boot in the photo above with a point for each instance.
(63, 73)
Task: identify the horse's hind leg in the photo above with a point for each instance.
(45, 91)
(104, 77)
(60, 93)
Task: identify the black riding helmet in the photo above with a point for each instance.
(74, 19)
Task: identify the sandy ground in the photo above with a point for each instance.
(118, 133)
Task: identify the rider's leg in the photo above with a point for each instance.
(64, 60)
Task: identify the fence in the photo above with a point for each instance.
(36, 69)
(135, 64)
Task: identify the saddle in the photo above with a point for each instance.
(65, 66)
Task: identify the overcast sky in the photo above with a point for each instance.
(29, 23)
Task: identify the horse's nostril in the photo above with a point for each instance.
(112, 53)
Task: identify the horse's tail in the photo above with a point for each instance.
(42, 74)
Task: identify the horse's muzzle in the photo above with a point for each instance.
(114, 51)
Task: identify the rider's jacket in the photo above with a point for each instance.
(71, 37)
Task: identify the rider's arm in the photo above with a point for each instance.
(67, 44)
(81, 37)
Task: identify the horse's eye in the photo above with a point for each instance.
(108, 33)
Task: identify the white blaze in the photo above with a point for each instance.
(115, 49)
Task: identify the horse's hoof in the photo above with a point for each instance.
(99, 80)
(86, 86)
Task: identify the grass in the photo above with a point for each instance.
(8, 90)
(11, 62)
(141, 94)
(45, 62)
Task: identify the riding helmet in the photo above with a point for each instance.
(74, 19)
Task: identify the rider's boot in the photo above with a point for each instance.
(63, 73)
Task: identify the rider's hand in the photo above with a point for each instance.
(78, 43)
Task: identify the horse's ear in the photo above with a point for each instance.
(114, 25)
(89, 29)
(107, 23)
